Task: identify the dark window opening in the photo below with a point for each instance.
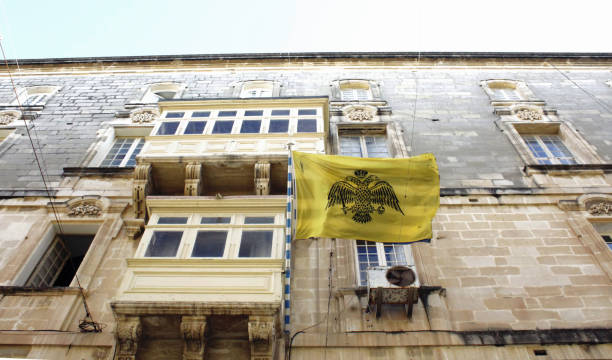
(60, 262)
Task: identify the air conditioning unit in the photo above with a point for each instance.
(392, 285)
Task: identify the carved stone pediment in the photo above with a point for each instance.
(8, 116)
(359, 113)
(600, 208)
(144, 115)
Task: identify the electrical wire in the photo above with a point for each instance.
(601, 103)
(329, 285)
(87, 324)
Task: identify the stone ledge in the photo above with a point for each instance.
(454, 338)
(138, 308)
(98, 171)
(38, 291)
(57, 338)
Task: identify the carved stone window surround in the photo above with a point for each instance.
(266, 88)
(582, 151)
(518, 87)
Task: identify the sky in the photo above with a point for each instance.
(94, 28)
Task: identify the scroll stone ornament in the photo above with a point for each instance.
(360, 115)
(602, 208)
(6, 119)
(529, 115)
(193, 329)
(85, 209)
(141, 116)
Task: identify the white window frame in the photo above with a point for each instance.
(355, 90)
(47, 276)
(293, 119)
(550, 157)
(137, 144)
(381, 258)
(362, 144)
(604, 229)
(233, 240)
(35, 95)
(108, 139)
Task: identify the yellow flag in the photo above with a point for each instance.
(384, 200)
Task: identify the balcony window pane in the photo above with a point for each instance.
(253, 113)
(172, 220)
(195, 127)
(174, 115)
(200, 114)
(279, 126)
(223, 127)
(259, 220)
(215, 220)
(209, 244)
(307, 125)
(307, 112)
(164, 244)
(256, 244)
(168, 128)
(250, 126)
(280, 112)
(227, 113)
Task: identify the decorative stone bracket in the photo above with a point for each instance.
(129, 332)
(193, 179)
(134, 227)
(193, 329)
(142, 187)
(262, 178)
(262, 337)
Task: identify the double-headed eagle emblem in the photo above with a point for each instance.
(363, 192)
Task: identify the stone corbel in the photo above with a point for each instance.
(8, 116)
(134, 227)
(262, 337)
(193, 179)
(193, 329)
(129, 332)
(262, 178)
(142, 187)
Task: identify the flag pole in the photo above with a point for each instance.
(288, 235)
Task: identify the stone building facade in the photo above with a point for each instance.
(164, 190)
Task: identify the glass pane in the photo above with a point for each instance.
(168, 128)
(209, 244)
(200, 114)
(132, 160)
(367, 257)
(377, 146)
(164, 244)
(279, 126)
(172, 220)
(223, 127)
(215, 220)
(350, 146)
(307, 125)
(536, 149)
(250, 126)
(259, 220)
(280, 112)
(256, 244)
(195, 127)
(307, 112)
(253, 113)
(394, 254)
(117, 153)
(558, 149)
(227, 113)
(174, 115)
